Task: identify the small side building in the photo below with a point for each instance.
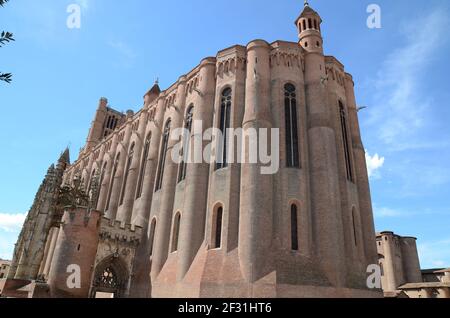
(4, 268)
(400, 269)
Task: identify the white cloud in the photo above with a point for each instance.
(435, 254)
(7, 246)
(385, 212)
(374, 163)
(11, 222)
(401, 106)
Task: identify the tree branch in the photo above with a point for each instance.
(6, 77)
(6, 37)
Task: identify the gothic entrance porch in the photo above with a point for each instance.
(111, 278)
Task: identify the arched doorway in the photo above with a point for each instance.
(110, 279)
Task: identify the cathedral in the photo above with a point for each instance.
(126, 221)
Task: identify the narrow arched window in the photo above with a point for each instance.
(381, 268)
(127, 173)
(111, 183)
(186, 144)
(143, 166)
(152, 236)
(315, 24)
(309, 24)
(102, 174)
(163, 155)
(354, 226)
(346, 140)
(304, 25)
(100, 181)
(176, 232)
(217, 228)
(292, 142)
(91, 179)
(224, 125)
(294, 227)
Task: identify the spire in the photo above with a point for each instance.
(155, 88)
(307, 10)
(153, 93)
(51, 170)
(65, 156)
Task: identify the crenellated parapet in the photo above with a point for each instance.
(115, 231)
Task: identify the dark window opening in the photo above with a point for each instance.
(176, 232)
(111, 183)
(152, 236)
(346, 141)
(163, 155)
(224, 125)
(354, 227)
(292, 138)
(218, 228)
(294, 227)
(127, 173)
(186, 144)
(143, 166)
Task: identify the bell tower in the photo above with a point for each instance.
(309, 32)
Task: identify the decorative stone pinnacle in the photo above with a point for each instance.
(94, 191)
(72, 197)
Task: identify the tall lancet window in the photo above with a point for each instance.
(355, 235)
(224, 125)
(217, 227)
(294, 227)
(127, 173)
(176, 232)
(91, 179)
(346, 140)
(102, 177)
(292, 142)
(152, 236)
(163, 155)
(186, 144)
(143, 166)
(111, 183)
(102, 174)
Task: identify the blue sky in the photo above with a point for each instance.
(401, 74)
